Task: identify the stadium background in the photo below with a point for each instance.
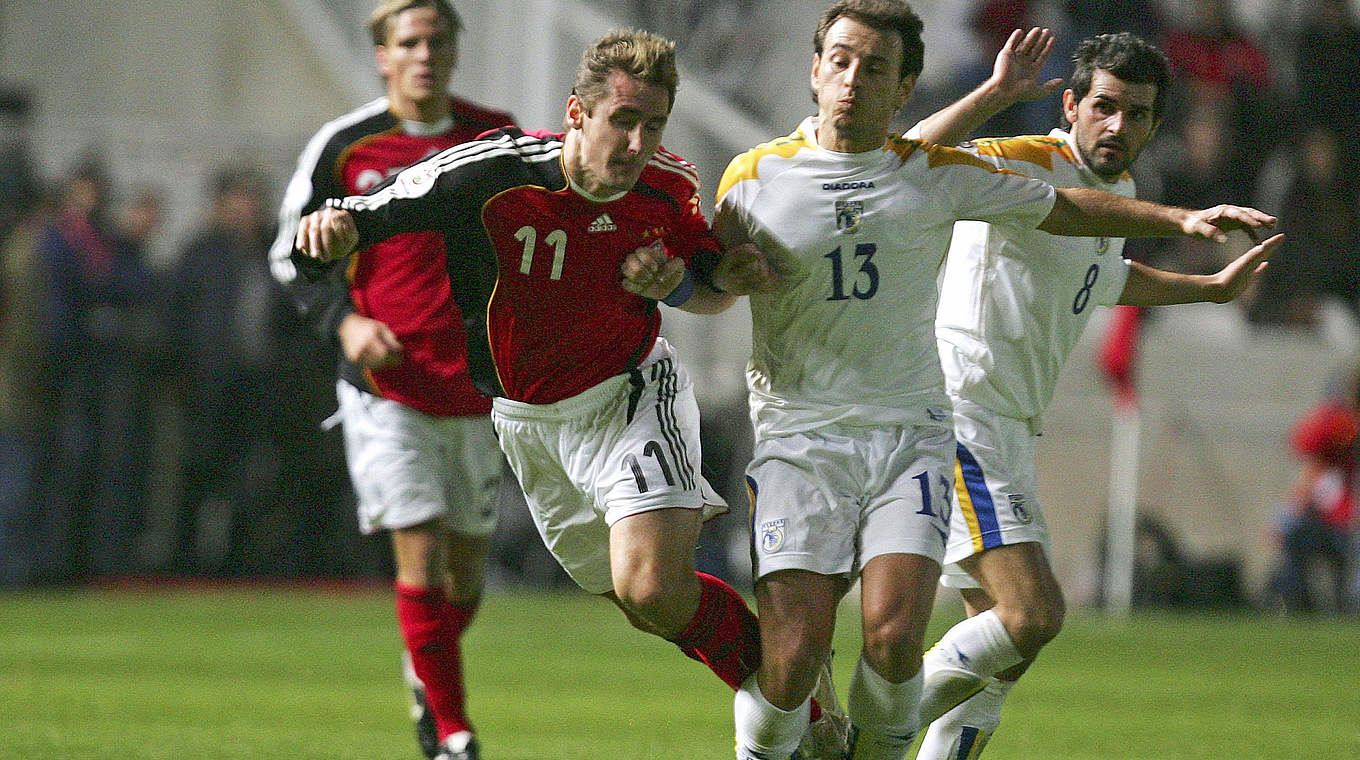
(164, 90)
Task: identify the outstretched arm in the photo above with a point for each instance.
(1085, 212)
(1154, 287)
(1015, 79)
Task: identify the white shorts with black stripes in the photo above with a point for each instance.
(625, 446)
(409, 467)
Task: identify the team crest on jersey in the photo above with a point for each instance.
(848, 215)
(1017, 502)
(772, 535)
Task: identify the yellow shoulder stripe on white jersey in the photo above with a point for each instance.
(942, 155)
(743, 167)
(1034, 149)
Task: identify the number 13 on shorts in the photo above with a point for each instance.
(934, 499)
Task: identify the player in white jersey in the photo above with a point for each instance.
(853, 459)
(1013, 303)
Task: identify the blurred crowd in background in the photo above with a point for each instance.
(167, 420)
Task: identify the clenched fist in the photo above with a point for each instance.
(326, 234)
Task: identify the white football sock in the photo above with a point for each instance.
(961, 733)
(883, 715)
(765, 732)
(967, 655)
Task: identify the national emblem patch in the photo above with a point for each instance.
(772, 535)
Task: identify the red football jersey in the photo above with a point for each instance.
(539, 261)
(402, 281)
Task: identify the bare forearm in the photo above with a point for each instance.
(1155, 287)
(953, 124)
(1083, 212)
(1014, 79)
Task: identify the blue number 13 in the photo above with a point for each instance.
(867, 268)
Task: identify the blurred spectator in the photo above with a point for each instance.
(23, 385)
(221, 323)
(1321, 221)
(19, 190)
(26, 399)
(1087, 18)
(1214, 55)
(261, 496)
(1320, 524)
(1197, 178)
(91, 280)
(992, 22)
(725, 40)
(1226, 72)
(1327, 68)
(127, 435)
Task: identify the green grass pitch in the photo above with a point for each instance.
(264, 673)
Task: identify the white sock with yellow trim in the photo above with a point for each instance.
(961, 733)
(958, 665)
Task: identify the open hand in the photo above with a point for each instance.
(1019, 64)
(1214, 223)
(1234, 278)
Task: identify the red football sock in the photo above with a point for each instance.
(432, 627)
(723, 634)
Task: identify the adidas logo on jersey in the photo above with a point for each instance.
(602, 223)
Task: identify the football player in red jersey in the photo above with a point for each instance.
(418, 438)
(559, 248)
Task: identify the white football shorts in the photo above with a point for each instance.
(830, 500)
(628, 445)
(996, 500)
(409, 467)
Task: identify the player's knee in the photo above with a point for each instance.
(788, 674)
(892, 648)
(416, 554)
(1037, 624)
(653, 603)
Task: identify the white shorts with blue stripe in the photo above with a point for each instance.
(995, 499)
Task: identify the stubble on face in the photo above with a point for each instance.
(1112, 123)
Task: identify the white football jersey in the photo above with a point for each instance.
(1014, 299)
(858, 239)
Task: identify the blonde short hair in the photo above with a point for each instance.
(381, 20)
(641, 55)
